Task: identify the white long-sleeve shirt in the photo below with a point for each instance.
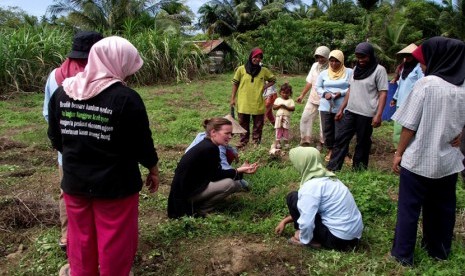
(333, 201)
(50, 86)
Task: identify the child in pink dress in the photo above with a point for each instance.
(285, 106)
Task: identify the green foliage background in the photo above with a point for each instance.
(162, 31)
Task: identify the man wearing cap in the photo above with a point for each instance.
(409, 74)
(75, 63)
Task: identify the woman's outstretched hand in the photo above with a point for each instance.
(248, 168)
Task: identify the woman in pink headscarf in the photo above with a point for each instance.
(101, 127)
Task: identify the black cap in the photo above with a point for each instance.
(82, 42)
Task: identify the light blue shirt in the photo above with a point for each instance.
(325, 84)
(336, 206)
(406, 86)
(224, 161)
(50, 86)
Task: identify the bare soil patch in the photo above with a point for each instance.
(229, 256)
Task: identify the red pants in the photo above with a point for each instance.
(102, 235)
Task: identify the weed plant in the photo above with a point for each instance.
(183, 246)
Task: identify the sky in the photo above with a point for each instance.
(39, 7)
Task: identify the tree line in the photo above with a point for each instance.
(163, 30)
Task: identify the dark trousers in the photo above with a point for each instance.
(438, 200)
(321, 233)
(291, 200)
(330, 127)
(258, 121)
(352, 124)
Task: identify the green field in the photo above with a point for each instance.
(239, 238)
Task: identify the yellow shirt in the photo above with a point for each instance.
(249, 94)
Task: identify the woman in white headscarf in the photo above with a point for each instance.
(101, 127)
(311, 108)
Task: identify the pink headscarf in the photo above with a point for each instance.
(69, 68)
(111, 60)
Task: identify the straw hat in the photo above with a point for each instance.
(408, 50)
(235, 125)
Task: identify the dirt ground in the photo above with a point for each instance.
(28, 203)
(29, 193)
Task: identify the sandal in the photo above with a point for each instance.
(64, 270)
(62, 244)
(293, 241)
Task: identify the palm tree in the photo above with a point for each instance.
(248, 15)
(218, 17)
(313, 11)
(113, 15)
(452, 19)
(177, 11)
(369, 6)
(271, 9)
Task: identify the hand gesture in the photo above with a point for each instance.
(328, 96)
(152, 181)
(396, 163)
(392, 103)
(457, 141)
(376, 122)
(248, 168)
(299, 99)
(232, 102)
(338, 116)
(280, 228)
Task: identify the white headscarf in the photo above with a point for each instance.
(324, 52)
(111, 60)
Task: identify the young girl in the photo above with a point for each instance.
(285, 105)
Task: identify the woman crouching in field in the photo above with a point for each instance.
(323, 210)
(199, 182)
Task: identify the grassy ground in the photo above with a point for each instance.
(239, 239)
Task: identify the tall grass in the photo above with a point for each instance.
(29, 54)
(167, 57)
